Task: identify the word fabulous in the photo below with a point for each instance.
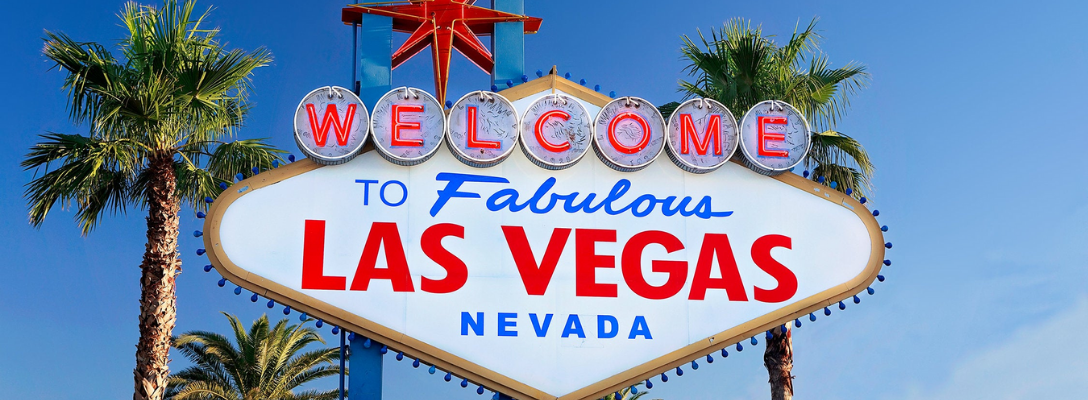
(554, 131)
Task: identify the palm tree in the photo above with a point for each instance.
(739, 67)
(158, 118)
(266, 363)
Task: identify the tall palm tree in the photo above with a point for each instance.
(159, 118)
(266, 363)
(740, 66)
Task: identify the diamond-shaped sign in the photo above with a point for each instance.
(541, 283)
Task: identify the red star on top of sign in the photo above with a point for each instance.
(445, 25)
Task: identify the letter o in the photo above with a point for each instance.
(403, 190)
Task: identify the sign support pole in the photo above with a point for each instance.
(375, 57)
(365, 382)
(508, 45)
(343, 357)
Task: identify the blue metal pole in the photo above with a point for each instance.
(508, 45)
(375, 58)
(355, 57)
(343, 359)
(365, 382)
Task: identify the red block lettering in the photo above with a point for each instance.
(787, 281)
(712, 134)
(765, 136)
(313, 259)
(536, 278)
(383, 234)
(632, 265)
(587, 261)
(332, 119)
(717, 245)
(456, 270)
(399, 125)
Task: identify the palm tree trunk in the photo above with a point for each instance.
(778, 358)
(158, 300)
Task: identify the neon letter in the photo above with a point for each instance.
(332, 119)
(616, 143)
(713, 134)
(313, 259)
(765, 136)
(473, 143)
(787, 281)
(549, 146)
(398, 125)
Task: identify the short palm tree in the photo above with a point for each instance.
(740, 67)
(265, 363)
(159, 118)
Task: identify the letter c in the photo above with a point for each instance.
(620, 146)
(539, 129)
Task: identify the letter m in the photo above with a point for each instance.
(331, 119)
(713, 134)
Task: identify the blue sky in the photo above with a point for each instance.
(973, 119)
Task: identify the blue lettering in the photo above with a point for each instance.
(403, 191)
(541, 329)
(507, 198)
(476, 324)
(366, 189)
(574, 327)
(613, 326)
(454, 182)
(506, 322)
(640, 328)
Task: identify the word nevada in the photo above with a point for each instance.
(481, 129)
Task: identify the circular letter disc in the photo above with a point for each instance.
(628, 134)
(774, 137)
(331, 125)
(482, 129)
(418, 121)
(702, 135)
(556, 131)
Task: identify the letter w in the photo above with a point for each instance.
(713, 134)
(332, 119)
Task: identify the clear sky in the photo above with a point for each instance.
(972, 119)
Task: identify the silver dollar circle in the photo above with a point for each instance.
(331, 125)
(479, 144)
(408, 126)
(556, 131)
(774, 136)
(628, 134)
(702, 136)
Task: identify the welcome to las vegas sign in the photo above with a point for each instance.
(546, 242)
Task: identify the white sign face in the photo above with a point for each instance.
(331, 125)
(408, 126)
(629, 133)
(556, 131)
(537, 276)
(774, 136)
(483, 128)
(702, 135)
